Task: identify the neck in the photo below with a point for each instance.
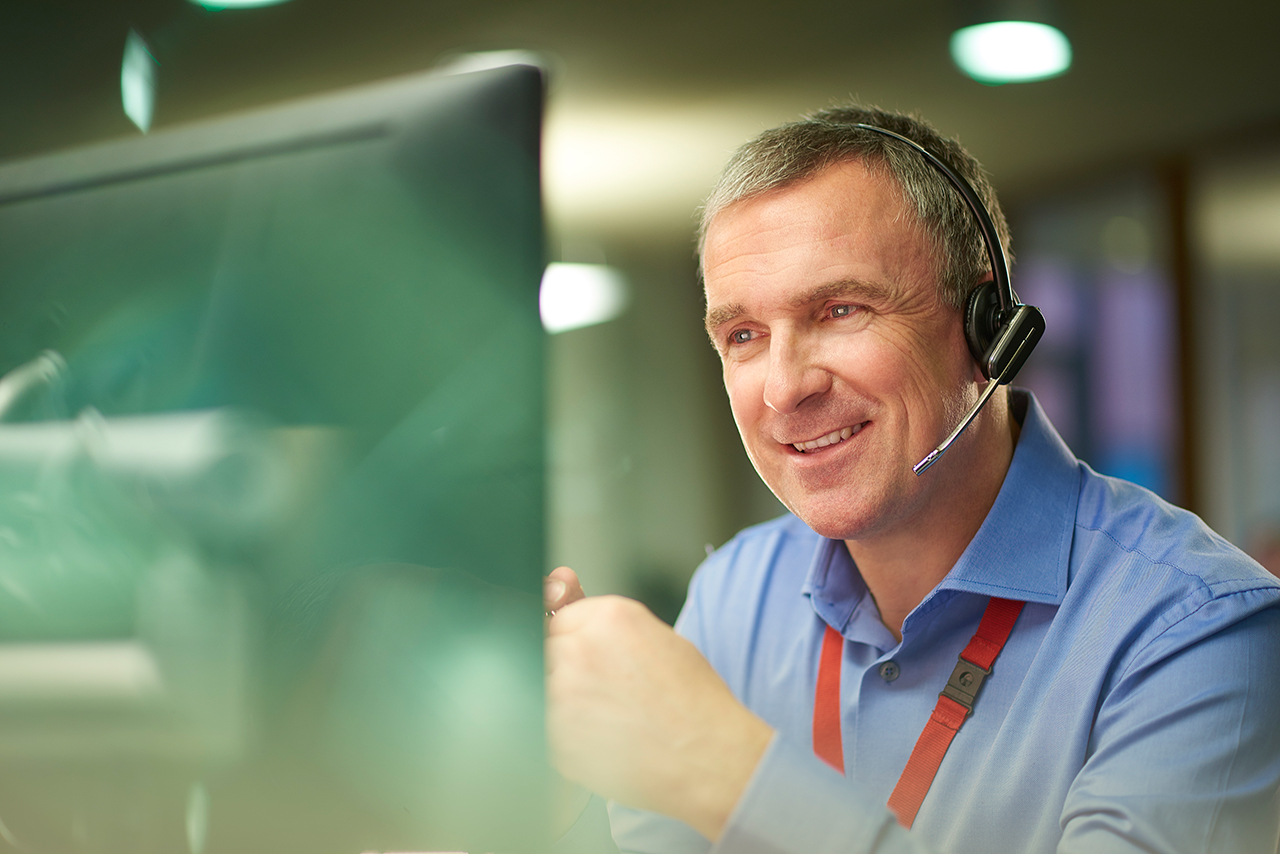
(902, 565)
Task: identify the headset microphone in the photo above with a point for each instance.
(1000, 331)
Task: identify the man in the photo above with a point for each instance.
(1132, 707)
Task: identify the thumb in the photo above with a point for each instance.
(560, 588)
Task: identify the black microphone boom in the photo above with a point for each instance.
(1012, 347)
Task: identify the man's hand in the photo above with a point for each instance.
(635, 713)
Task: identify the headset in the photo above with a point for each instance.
(1000, 331)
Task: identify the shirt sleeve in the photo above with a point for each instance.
(796, 804)
(1184, 755)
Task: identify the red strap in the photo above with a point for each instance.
(948, 715)
(993, 631)
(827, 742)
(925, 759)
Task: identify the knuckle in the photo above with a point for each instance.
(619, 608)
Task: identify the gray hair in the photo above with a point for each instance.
(794, 152)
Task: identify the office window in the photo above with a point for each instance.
(1096, 261)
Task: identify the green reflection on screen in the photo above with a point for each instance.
(285, 495)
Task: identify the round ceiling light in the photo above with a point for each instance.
(235, 4)
(1010, 51)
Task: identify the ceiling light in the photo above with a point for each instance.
(1009, 41)
(235, 4)
(1011, 51)
(138, 81)
(577, 295)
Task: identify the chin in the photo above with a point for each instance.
(836, 523)
(841, 530)
(853, 513)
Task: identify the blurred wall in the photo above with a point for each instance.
(1236, 227)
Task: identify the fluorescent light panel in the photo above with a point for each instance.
(1011, 51)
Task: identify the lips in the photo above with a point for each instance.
(835, 437)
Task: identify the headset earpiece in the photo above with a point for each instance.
(982, 321)
(1013, 343)
(1000, 349)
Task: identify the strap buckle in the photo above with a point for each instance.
(964, 684)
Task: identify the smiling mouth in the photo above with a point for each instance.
(833, 438)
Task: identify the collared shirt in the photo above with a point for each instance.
(1136, 706)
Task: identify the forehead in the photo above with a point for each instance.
(846, 222)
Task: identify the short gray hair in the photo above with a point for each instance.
(794, 152)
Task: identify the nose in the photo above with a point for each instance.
(794, 375)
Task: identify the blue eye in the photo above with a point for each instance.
(740, 336)
(841, 310)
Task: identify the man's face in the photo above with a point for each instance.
(843, 366)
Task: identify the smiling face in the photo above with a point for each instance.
(843, 366)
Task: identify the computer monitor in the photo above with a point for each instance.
(271, 480)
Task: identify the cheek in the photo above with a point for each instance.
(883, 363)
(746, 401)
(928, 361)
(744, 416)
(745, 390)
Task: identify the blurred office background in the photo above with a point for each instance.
(1143, 187)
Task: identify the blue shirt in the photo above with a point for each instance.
(1136, 706)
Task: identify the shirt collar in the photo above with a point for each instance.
(833, 584)
(1024, 545)
(1020, 552)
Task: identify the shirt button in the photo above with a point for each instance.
(889, 671)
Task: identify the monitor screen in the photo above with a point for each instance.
(271, 441)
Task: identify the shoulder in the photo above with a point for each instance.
(1161, 574)
(757, 558)
(757, 576)
(1126, 522)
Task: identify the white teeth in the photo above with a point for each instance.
(829, 439)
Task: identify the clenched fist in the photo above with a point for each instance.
(636, 713)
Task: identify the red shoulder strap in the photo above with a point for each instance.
(955, 703)
(826, 703)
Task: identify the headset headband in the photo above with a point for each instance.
(995, 249)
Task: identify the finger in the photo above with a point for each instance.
(560, 588)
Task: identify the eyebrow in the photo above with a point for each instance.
(722, 314)
(864, 291)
